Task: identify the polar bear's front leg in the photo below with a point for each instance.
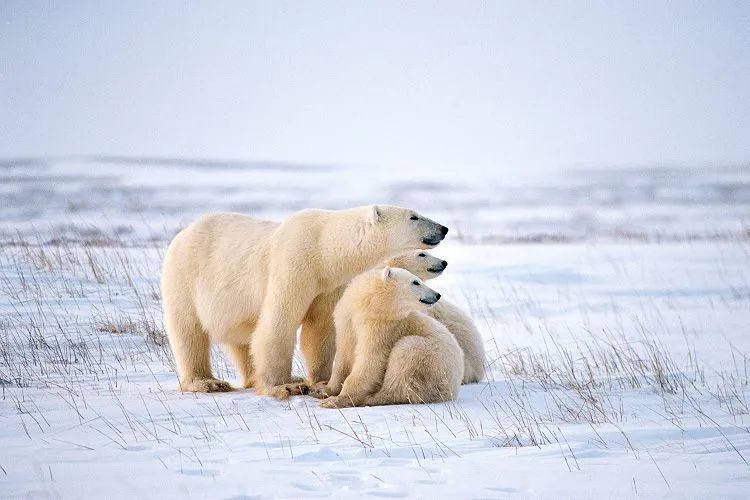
(273, 343)
(318, 339)
(346, 342)
(366, 377)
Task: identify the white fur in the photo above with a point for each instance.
(425, 266)
(397, 353)
(462, 327)
(460, 324)
(249, 284)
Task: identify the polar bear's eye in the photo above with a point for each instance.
(414, 217)
(422, 255)
(415, 282)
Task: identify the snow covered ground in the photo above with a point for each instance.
(614, 307)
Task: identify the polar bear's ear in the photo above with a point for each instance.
(374, 214)
(386, 274)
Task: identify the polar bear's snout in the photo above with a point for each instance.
(435, 233)
(430, 298)
(439, 268)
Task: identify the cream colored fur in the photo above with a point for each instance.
(400, 355)
(422, 264)
(249, 284)
(425, 266)
(462, 327)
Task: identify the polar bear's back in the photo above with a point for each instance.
(218, 265)
(217, 245)
(241, 232)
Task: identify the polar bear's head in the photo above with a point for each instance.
(391, 293)
(420, 263)
(404, 229)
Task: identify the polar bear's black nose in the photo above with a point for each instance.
(444, 230)
(437, 297)
(445, 264)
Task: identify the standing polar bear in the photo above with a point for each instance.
(249, 284)
(400, 355)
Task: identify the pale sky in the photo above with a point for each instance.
(444, 85)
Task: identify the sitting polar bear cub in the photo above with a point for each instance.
(401, 355)
(426, 267)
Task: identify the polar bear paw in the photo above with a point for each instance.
(320, 390)
(337, 402)
(285, 391)
(206, 385)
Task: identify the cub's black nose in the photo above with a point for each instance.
(444, 230)
(445, 264)
(437, 297)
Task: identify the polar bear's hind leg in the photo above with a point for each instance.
(192, 351)
(243, 363)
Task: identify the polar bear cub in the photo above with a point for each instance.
(401, 355)
(426, 267)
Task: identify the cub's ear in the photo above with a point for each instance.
(374, 214)
(386, 274)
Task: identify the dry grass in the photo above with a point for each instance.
(87, 317)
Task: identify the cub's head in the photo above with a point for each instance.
(403, 229)
(420, 263)
(392, 293)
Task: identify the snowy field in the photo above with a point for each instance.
(614, 306)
